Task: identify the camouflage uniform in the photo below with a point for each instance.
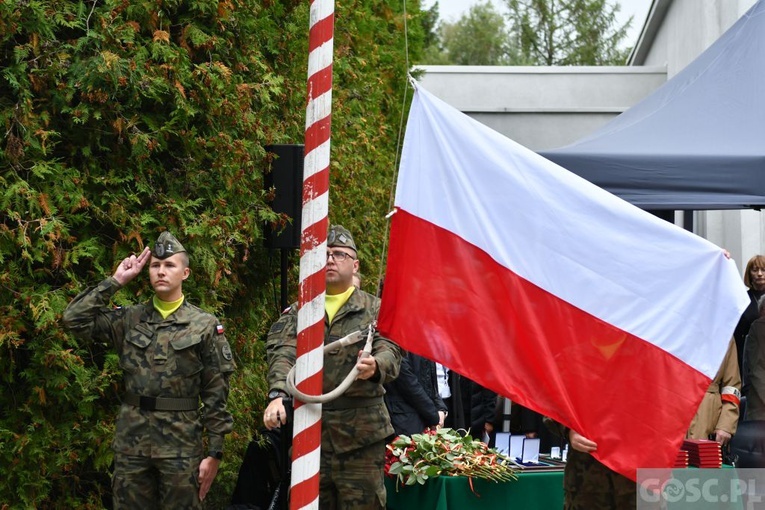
(185, 355)
(356, 425)
(589, 484)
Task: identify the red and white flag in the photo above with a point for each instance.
(551, 291)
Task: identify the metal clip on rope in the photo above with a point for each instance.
(343, 386)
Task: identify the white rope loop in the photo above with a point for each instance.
(351, 339)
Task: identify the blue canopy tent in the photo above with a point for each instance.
(697, 142)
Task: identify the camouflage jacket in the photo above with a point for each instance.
(349, 426)
(185, 355)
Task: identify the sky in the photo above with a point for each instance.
(452, 10)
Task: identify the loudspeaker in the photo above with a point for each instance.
(286, 177)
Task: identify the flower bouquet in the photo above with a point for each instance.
(444, 452)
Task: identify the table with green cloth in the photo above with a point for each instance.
(531, 491)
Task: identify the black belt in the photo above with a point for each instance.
(161, 403)
(352, 403)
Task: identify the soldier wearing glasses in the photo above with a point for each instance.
(173, 355)
(356, 425)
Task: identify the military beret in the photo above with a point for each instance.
(167, 246)
(340, 236)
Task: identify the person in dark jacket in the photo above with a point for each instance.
(472, 407)
(531, 424)
(754, 368)
(754, 279)
(483, 411)
(412, 399)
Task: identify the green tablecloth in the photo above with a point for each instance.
(531, 491)
(544, 491)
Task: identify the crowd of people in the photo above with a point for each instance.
(174, 356)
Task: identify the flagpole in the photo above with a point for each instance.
(306, 443)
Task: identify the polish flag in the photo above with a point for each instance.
(551, 291)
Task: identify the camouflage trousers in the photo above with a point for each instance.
(148, 484)
(588, 484)
(353, 480)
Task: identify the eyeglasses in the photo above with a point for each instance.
(339, 256)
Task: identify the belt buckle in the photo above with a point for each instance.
(147, 403)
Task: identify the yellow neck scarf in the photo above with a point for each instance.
(165, 308)
(333, 303)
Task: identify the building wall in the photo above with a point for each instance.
(544, 130)
(541, 107)
(688, 28)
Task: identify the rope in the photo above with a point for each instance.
(343, 386)
(391, 196)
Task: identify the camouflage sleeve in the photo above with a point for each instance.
(387, 354)
(218, 366)
(281, 348)
(88, 316)
(388, 358)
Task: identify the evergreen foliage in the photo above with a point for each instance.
(121, 118)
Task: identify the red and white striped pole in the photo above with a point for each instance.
(306, 443)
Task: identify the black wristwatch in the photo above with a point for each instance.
(276, 394)
(216, 454)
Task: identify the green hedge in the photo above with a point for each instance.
(123, 117)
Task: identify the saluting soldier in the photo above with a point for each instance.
(356, 425)
(173, 355)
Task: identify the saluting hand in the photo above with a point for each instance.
(131, 266)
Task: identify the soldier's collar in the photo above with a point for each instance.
(180, 316)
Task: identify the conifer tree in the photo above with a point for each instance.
(568, 32)
(122, 118)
